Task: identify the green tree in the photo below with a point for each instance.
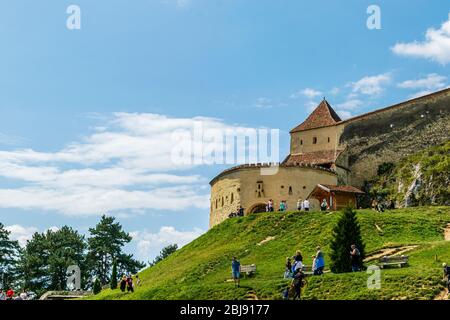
(165, 252)
(97, 286)
(114, 276)
(105, 246)
(9, 256)
(345, 233)
(47, 256)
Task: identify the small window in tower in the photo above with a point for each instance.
(304, 187)
(290, 190)
(282, 187)
(216, 203)
(301, 142)
(314, 140)
(328, 139)
(223, 202)
(232, 198)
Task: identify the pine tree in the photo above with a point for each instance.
(114, 276)
(9, 256)
(345, 233)
(105, 247)
(97, 286)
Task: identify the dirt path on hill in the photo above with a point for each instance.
(390, 252)
(447, 233)
(265, 240)
(251, 295)
(443, 295)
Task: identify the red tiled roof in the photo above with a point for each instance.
(332, 188)
(316, 157)
(322, 116)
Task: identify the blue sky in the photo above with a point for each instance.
(86, 115)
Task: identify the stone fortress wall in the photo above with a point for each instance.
(245, 186)
(390, 134)
(334, 152)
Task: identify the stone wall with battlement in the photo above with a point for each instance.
(390, 134)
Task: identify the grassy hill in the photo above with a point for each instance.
(200, 270)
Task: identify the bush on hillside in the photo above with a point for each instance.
(97, 286)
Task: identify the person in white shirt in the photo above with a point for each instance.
(24, 295)
(2, 295)
(300, 204)
(306, 205)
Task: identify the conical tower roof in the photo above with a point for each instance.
(322, 116)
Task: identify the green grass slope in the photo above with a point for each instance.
(200, 270)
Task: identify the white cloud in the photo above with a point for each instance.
(345, 109)
(427, 85)
(352, 104)
(335, 91)
(311, 106)
(308, 93)
(150, 244)
(343, 114)
(9, 140)
(123, 167)
(432, 81)
(20, 233)
(183, 3)
(371, 85)
(263, 102)
(435, 47)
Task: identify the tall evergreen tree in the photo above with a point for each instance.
(9, 256)
(105, 246)
(345, 233)
(114, 276)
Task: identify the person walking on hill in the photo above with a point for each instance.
(324, 205)
(9, 294)
(288, 269)
(355, 257)
(270, 206)
(236, 271)
(298, 261)
(298, 282)
(130, 284)
(138, 280)
(240, 211)
(123, 283)
(306, 205)
(283, 205)
(300, 204)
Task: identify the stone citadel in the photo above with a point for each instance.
(336, 155)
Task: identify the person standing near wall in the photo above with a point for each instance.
(306, 205)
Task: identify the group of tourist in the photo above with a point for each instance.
(11, 295)
(295, 264)
(239, 213)
(303, 205)
(127, 283)
(295, 269)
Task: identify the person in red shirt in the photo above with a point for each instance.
(10, 294)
